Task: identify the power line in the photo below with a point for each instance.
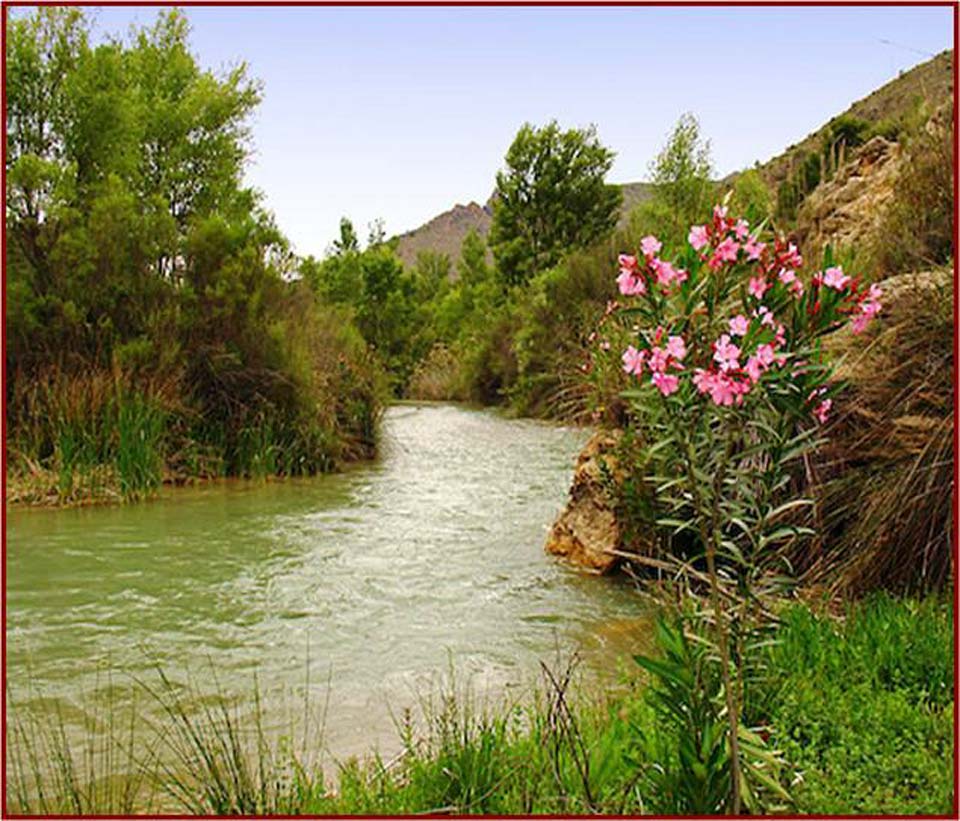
(908, 48)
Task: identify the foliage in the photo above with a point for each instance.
(680, 175)
(728, 422)
(135, 251)
(886, 478)
(916, 229)
(550, 199)
(863, 707)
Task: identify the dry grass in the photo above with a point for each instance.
(888, 471)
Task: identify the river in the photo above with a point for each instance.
(361, 589)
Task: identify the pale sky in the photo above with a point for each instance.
(400, 113)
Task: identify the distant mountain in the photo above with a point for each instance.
(445, 232)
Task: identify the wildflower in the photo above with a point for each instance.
(727, 250)
(631, 284)
(720, 212)
(650, 245)
(628, 263)
(835, 278)
(666, 383)
(726, 354)
(754, 368)
(753, 248)
(659, 358)
(676, 348)
(667, 274)
(739, 325)
(758, 287)
(822, 411)
(765, 355)
(698, 237)
(741, 229)
(792, 258)
(633, 360)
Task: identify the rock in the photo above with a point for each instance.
(846, 209)
(587, 530)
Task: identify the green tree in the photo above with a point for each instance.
(551, 198)
(681, 178)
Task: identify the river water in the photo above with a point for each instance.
(361, 589)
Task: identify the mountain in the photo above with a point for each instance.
(445, 232)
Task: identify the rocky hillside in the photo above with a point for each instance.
(445, 232)
(929, 84)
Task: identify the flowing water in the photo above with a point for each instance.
(360, 588)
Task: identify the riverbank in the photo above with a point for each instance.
(859, 710)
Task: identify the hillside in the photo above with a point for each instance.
(929, 83)
(445, 232)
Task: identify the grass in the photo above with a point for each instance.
(859, 707)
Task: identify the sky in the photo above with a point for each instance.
(399, 113)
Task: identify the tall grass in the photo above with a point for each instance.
(54, 768)
(887, 472)
(89, 434)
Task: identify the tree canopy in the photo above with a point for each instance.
(550, 198)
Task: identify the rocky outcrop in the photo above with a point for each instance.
(586, 531)
(846, 209)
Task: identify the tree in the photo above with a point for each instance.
(551, 198)
(681, 176)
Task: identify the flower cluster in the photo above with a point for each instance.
(754, 340)
(732, 373)
(635, 273)
(659, 360)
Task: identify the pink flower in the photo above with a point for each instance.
(753, 249)
(630, 284)
(722, 388)
(859, 323)
(792, 259)
(758, 287)
(650, 245)
(633, 360)
(720, 212)
(658, 360)
(726, 354)
(739, 325)
(666, 384)
(741, 229)
(754, 369)
(676, 348)
(822, 411)
(764, 315)
(765, 355)
(698, 237)
(727, 250)
(667, 274)
(835, 278)
(627, 263)
(786, 276)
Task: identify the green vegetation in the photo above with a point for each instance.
(550, 199)
(861, 706)
(153, 333)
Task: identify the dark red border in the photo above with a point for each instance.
(492, 3)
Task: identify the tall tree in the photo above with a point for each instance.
(681, 175)
(551, 198)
